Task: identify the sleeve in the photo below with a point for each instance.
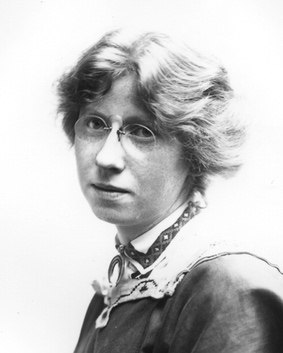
(232, 304)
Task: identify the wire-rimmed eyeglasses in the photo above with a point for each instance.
(95, 129)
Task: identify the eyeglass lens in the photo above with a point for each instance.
(95, 129)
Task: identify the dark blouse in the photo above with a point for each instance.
(232, 303)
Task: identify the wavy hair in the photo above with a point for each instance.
(187, 94)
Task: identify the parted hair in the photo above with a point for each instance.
(187, 94)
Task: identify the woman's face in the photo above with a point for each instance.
(132, 188)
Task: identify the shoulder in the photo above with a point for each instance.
(94, 310)
(239, 286)
(231, 300)
(234, 274)
(237, 268)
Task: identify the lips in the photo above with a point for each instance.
(109, 188)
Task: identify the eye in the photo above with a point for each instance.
(95, 123)
(139, 131)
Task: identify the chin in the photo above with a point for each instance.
(111, 215)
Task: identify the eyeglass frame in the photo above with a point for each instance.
(121, 131)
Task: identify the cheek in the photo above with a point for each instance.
(171, 162)
(80, 159)
(165, 171)
(83, 160)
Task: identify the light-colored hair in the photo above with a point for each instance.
(187, 94)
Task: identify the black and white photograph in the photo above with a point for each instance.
(141, 180)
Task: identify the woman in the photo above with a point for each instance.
(151, 121)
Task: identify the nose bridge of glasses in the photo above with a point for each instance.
(116, 125)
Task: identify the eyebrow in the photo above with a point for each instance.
(139, 118)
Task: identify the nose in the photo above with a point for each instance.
(111, 153)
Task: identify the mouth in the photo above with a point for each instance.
(109, 188)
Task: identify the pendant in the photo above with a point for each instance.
(116, 269)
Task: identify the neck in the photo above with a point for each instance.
(129, 233)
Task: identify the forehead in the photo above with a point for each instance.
(122, 99)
